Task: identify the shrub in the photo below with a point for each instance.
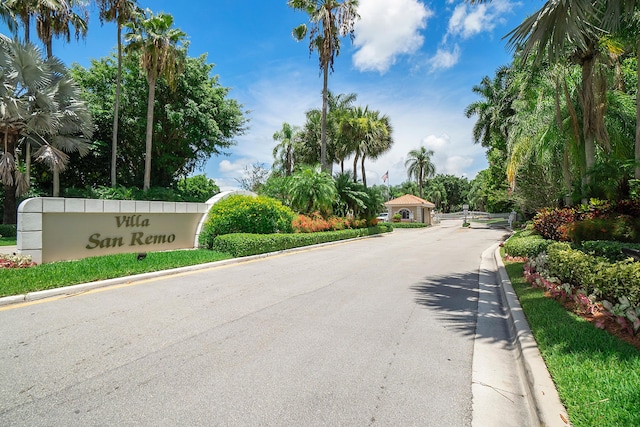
(610, 250)
(595, 275)
(622, 228)
(245, 244)
(526, 244)
(245, 214)
(8, 230)
(551, 223)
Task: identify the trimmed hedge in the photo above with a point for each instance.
(245, 244)
(612, 251)
(595, 275)
(526, 244)
(408, 224)
(8, 230)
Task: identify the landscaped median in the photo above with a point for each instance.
(17, 281)
(596, 372)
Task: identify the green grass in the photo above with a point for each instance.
(7, 241)
(16, 281)
(596, 374)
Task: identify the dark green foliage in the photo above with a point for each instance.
(193, 189)
(8, 230)
(408, 225)
(526, 244)
(246, 214)
(607, 249)
(244, 244)
(191, 123)
(609, 281)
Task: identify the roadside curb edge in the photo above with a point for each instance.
(549, 409)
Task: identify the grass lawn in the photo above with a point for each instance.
(7, 241)
(16, 281)
(597, 375)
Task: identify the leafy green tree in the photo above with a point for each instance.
(197, 188)
(161, 55)
(193, 121)
(40, 105)
(312, 191)
(330, 20)
(419, 166)
(122, 12)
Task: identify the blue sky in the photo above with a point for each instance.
(415, 61)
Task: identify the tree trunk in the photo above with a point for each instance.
(323, 132)
(10, 212)
(364, 176)
(355, 167)
(149, 138)
(116, 108)
(589, 116)
(56, 183)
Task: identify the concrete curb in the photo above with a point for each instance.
(541, 388)
(85, 287)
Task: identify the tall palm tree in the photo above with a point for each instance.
(122, 12)
(57, 22)
(8, 16)
(419, 165)
(161, 56)
(41, 106)
(330, 20)
(283, 152)
(369, 135)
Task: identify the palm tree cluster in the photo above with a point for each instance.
(352, 131)
(559, 121)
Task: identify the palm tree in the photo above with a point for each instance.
(56, 21)
(494, 110)
(312, 191)
(283, 152)
(419, 165)
(41, 106)
(122, 12)
(369, 135)
(330, 20)
(161, 56)
(351, 196)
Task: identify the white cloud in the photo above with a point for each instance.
(468, 20)
(386, 30)
(444, 59)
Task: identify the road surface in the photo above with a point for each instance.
(372, 332)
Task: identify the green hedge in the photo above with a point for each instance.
(8, 230)
(526, 244)
(245, 244)
(408, 224)
(595, 275)
(611, 250)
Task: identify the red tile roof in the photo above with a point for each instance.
(410, 200)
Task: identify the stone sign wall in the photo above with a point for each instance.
(54, 229)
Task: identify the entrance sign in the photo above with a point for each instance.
(55, 229)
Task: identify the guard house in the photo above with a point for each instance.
(411, 208)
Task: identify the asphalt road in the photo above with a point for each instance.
(378, 331)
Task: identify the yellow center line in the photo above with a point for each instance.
(144, 281)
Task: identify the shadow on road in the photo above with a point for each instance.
(456, 299)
